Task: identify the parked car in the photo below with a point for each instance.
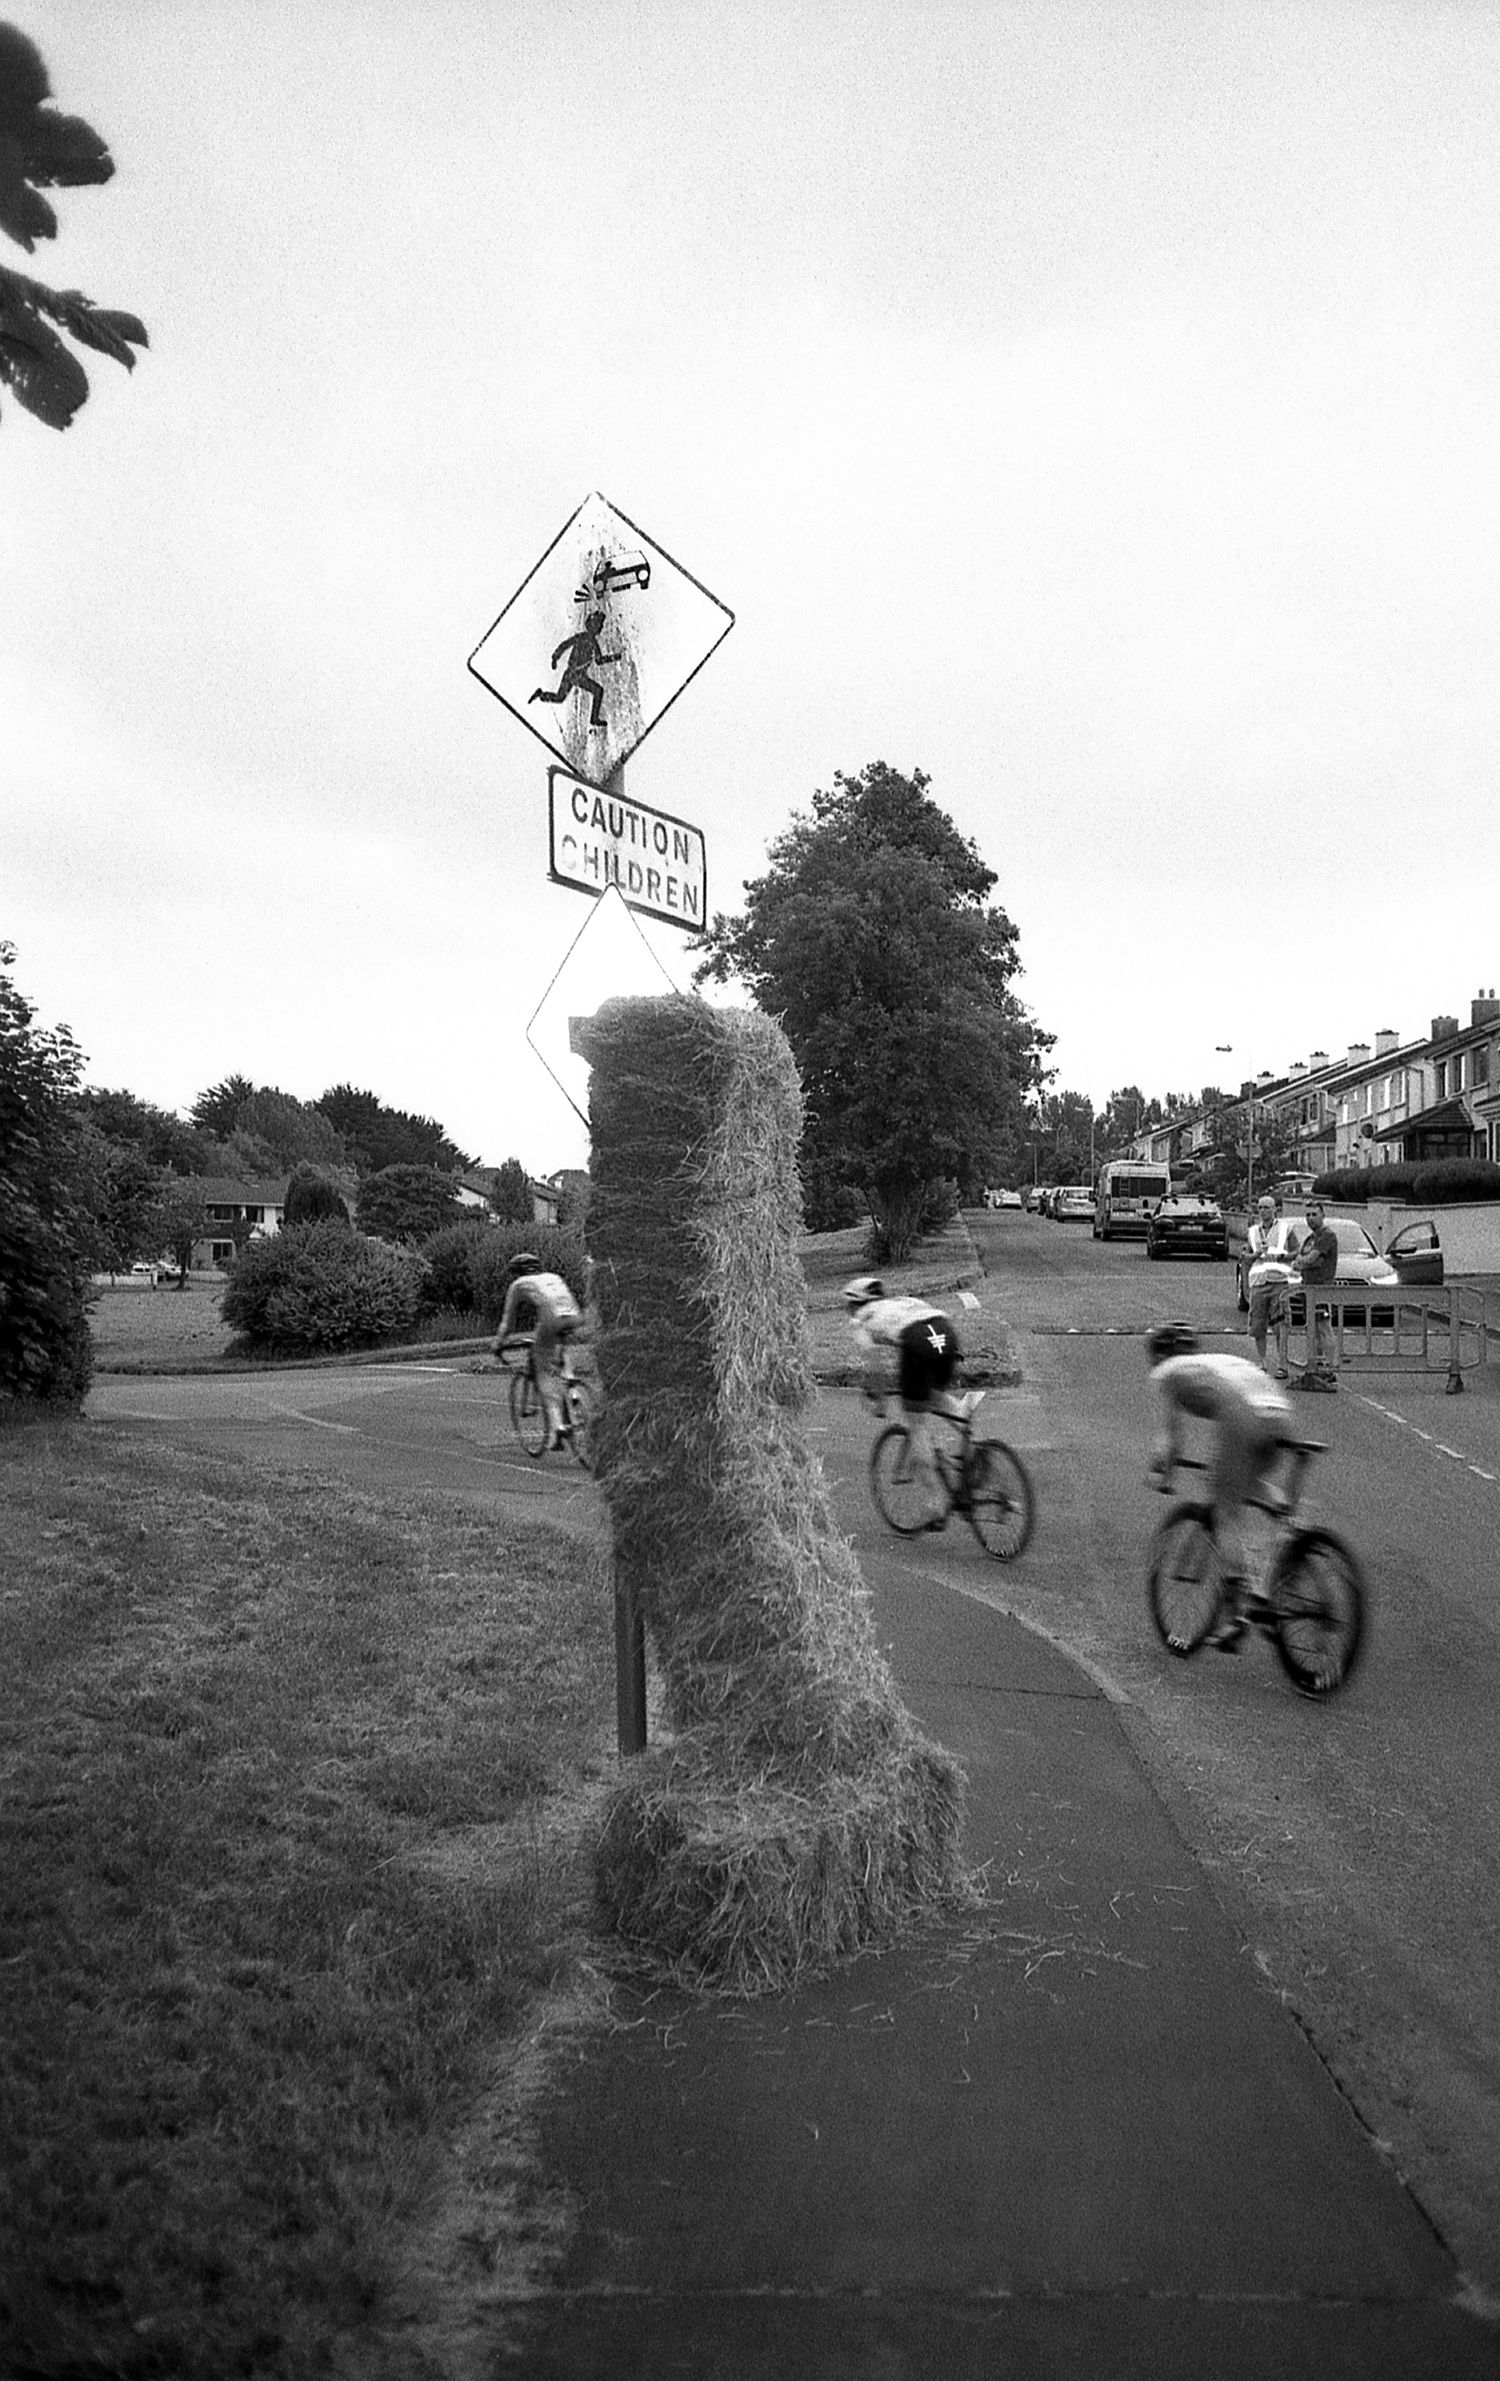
(1359, 1261)
(1187, 1226)
(1075, 1205)
(1034, 1198)
(1008, 1199)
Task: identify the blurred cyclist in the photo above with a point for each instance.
(1252, 1422)
(552, 1311)
(925, 1345)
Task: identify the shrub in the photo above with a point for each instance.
(453, 1255)
(312, 1199)
(322, 1286)
(561, 1252)
(47, 1238)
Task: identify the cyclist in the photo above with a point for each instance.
(1252, 1424)
(554, 1317)
(926, 1349)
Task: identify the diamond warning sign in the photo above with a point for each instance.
(599, 641)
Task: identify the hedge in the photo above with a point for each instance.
(1440, 1182)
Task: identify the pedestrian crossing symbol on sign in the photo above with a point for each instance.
(599, 641)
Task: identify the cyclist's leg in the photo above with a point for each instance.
(544, 1363)
(916, 1386)
(1232, 1473)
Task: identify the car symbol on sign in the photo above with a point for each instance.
(622, 570)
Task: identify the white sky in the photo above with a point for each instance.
(1094, 406)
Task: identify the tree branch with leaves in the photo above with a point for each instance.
(41, 149)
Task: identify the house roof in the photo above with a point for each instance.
(231, 1190)
(1449, 1116)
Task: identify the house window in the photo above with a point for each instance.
(221, 1252)
(1481, 1063)
(221, 1215)
(1440, 1079)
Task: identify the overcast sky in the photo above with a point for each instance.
(1093, 406)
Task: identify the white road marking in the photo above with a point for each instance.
(1430, 1438)
(314, 1421)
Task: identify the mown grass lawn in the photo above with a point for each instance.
(271, 1892)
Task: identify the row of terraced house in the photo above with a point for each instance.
(1380, 1104)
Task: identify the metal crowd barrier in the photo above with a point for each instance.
(1454, 1330)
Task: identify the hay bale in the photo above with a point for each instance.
(795, 1812)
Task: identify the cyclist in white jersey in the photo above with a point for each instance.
(1252, 1422)
(550, 1307)
(926, 1348)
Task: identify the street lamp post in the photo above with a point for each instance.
(1227, 1050)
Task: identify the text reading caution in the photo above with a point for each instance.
(658, 863)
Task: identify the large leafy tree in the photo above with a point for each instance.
(41, 150)
(872, 937)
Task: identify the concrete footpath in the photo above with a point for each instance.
(1071, 2134)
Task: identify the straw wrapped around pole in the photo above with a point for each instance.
(793, 1810)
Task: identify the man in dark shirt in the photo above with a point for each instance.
(1318, 1260)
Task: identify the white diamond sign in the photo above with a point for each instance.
(599, 641)
(608, 959)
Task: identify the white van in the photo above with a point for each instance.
(1126, 1194)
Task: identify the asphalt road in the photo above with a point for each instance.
(1356, 1842)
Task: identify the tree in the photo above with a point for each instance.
(407, 1203)
(872, 938)
(273, 1132)
(180, 1222)
(217, 1111)
(312, 1199)
(46, 1234)
(163, 1139)
(40, 149)
(376, 1136)
(511, 1196)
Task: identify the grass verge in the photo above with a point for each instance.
(271, 1897)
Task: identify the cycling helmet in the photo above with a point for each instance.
(1171, 1339)
(525, 1260)
(863, 1290)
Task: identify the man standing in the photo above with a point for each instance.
(1317, 1260)
(1270, 1306)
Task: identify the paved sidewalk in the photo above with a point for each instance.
(1071, 2135)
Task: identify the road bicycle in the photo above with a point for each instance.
(528, 1413)
(1306, 1591)
(982, 1478)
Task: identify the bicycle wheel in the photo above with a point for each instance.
(1318, 1597)
(903, 1499)
(1184, 1587)
(528, 1415)
(581, 1422)
(1001, 1505)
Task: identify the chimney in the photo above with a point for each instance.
(1484, 1008)
(1358, 1053)
(1318, 1059)
(1444, 1028)
(1386, 1041)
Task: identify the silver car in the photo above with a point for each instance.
(1359, 1261)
